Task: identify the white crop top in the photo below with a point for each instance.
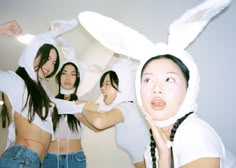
(14, 87)
(63, 130)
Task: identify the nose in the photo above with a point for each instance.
(67, 76)
(157, 88)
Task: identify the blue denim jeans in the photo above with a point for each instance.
(77, 159)
(20, 157)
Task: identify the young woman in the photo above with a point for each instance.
(122, 113)
(168, 90)
(31, 109)
(65, 148)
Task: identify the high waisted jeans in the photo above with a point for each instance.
(20, 157)
(53, 160)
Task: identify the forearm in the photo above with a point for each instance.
(84, 121)
(95, 119)
(164, 162)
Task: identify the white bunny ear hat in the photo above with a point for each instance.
(69, 53)
(28, 55)
(182, 32)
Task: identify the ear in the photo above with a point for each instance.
(114, 35)
(59, 27)
(183, 31)
(67, 49)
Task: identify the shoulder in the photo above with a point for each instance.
(131, 113)
(10, 81)
(195, 139)
(195, 127)
(128, 108)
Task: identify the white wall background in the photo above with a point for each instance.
(214, 51)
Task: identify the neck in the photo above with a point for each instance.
(67, 91)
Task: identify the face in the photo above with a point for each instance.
(109, 93)
(48, 67)
(68, 77)
(163, 89)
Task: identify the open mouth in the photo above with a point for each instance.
(158, 104)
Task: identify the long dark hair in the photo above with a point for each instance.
(72, 121)
(37, 99)
(113, 77)
(185, 73)
(4, 114)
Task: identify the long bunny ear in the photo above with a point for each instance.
(114, 35)
(184, 30)
(69, 53)
(67, 49)
(59, 27)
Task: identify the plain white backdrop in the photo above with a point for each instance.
(214, 52)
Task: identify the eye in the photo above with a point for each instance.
(63, 73)
(147, 80)
(170, 79)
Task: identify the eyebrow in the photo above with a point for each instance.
(147, 73)
(64, 70)
(167, 73)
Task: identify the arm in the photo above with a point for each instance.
(8, 105)
(82, 118)
(11, 28)
(102, 120)
(84, 121)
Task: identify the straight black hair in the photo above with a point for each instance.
(113, 77)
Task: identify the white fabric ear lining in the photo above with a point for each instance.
(183, 31)
(59, 27)
(114, 35)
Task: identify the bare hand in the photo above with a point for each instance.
(11, 28)
(91, 106)
(162, 141)
(79, 115)
(78, 102)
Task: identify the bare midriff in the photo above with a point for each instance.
(64, 146)
(31, 136)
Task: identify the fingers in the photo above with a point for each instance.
(160, 137)
(91, 106)
(11, 28)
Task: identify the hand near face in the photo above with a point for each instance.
(11, 28)
(162, 142)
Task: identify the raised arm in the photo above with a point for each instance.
(102, 119)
